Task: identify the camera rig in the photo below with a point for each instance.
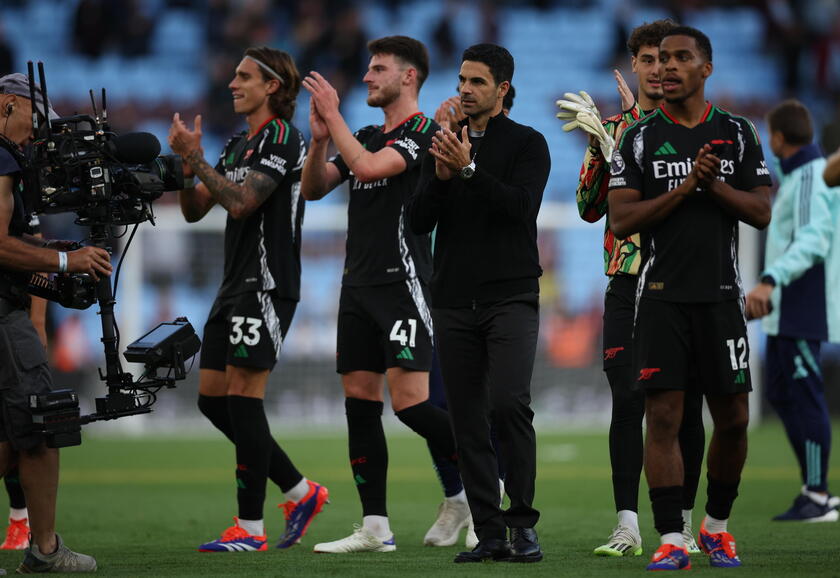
(78, 165)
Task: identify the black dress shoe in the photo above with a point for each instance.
(487, 550)
(524, 545)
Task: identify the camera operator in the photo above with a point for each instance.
(23, 360)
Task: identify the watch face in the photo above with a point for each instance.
(467, 171)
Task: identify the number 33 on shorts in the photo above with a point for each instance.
(249, 335)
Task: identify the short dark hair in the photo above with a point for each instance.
(409, 50)
(793, 120)
(649, 34)
(497, 59)
(283, 101)
(702, 41)
(507, 101)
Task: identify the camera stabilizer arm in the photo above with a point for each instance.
(169, 345)
(79, 165)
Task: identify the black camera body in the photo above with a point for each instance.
(74, 291)
(78, 166)
(77, 291)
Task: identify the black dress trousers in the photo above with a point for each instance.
(487, 358)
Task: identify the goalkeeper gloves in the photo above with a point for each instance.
(581, 112)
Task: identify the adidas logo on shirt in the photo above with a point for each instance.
(665, 149)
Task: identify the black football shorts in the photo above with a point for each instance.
(384, 326)
(619, 309)
(677, 345)
(246, 330)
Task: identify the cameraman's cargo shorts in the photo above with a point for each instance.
(23, 371)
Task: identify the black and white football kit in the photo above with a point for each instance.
(689, 299)
(384, 319)
(261, 285)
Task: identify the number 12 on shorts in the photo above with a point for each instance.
(400, 335)
(739, 362)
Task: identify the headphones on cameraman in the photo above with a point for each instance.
(10, 109)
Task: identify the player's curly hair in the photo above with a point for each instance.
(283, 101)
(649, 34)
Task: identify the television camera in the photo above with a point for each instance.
(77, 164)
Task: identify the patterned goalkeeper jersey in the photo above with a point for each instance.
(621, 256)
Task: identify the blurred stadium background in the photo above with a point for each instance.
(156, 57)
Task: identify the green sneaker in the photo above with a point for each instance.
(624, 541)
(62, 560)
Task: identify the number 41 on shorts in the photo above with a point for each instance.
(402, 336)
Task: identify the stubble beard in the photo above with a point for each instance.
(479, 110)
(384, 97)
(656, 96)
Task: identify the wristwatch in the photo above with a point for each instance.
(768, 280)
(468, 171)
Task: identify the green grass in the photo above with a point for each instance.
(142, 506)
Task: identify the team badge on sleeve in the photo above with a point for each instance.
(617, 166)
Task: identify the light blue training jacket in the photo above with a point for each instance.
(803, 252)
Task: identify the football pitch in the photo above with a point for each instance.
(142, 506)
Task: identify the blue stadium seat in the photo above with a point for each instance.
(178, 36)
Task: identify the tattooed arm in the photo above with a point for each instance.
(195, 202)
(239, 200)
